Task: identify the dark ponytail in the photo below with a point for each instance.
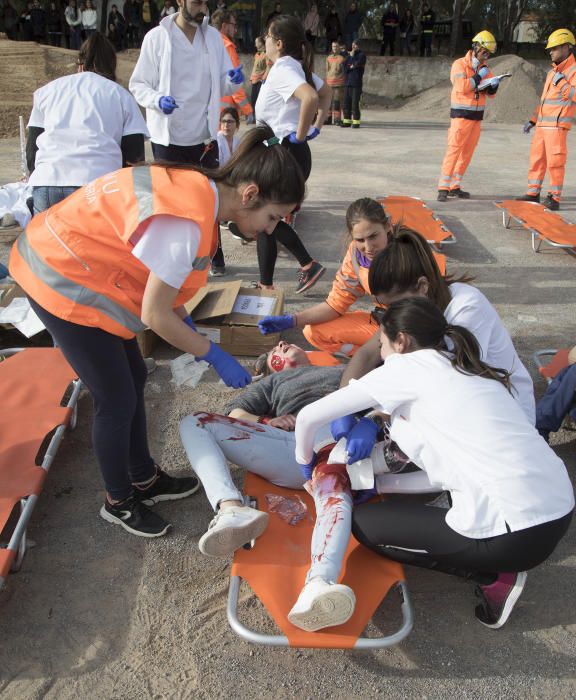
(97, 55)
(426, 326)
(290, 31)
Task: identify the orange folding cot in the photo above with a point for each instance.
(275, 568)
(414, 214)
(34, 383)
(550, 362)
(545, 226)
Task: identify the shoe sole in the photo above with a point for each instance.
(225, 541)
(117, 521)
(169, 496)
(328, 610)
(312, 282)
(511, 601)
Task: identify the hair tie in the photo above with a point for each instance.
(272, 141)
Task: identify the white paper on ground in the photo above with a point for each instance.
(19, 313)
(253, 306)
(187, 371)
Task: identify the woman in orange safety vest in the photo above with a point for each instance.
(128, 251)
(330, 325)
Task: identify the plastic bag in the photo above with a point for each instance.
(291, 510)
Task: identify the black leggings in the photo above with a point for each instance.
(417, 534)
(115, 374)
(267, 245)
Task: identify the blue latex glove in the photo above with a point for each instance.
(361, 440)
(313, 134)
(229, 369)
(236, 75)
(294, 139)
(275, 324)
(342, 426)
(308, 469)
(167, 104)
(483, 72)
(557, 78)
(189, 322)
(526, 128)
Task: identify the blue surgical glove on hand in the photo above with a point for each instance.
(275, 324)
(189, 322)
(167, 104)
(229, 369)
(308, 469)
(557, 78)
(236, 75)
(342, 426)
(361, 440)
(294, 139)
(483, 72)
(313, 134)
(526, 128)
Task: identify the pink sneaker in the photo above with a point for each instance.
(499, 599)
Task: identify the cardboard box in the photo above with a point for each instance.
(228, 314)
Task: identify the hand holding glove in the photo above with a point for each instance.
(167, 104)
(313, 134)
(557, 78)
(236, 75)
(229, 369)
(361, 440)
(526, 128)
(308, 469)
(294, 139)
(342, 426)
(189, 322)
(275, 324)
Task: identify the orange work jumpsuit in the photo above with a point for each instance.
(353, 328)
(238, 99)
(466, 114)
(336, 79)
(553, 118)
(75, 259)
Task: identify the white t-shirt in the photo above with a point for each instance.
(470, 308)
(224, 152)
(468, 433)
(276, 105)
(191, 86)
(84, 117)
(168, 246)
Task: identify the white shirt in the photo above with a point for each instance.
(276, 105)
(468, 433)
(168, 246)
(84, 117)
(224, 153)
(89, 19)
(470, 308)
(152, 78)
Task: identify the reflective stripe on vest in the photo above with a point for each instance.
(75, 292)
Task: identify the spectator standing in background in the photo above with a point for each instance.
(116, 28)
(352, 23)
(260, 69)
(354, 69)
(168, 9)
(149, 14)
(312, 24)
(336, 79)
(25, 23)
(74, 21)
(38, 21)
(427, 19)
(131, 12)
(333, 28)
(390, 21)
(54, 25)
(89, 19)
(406, 32)
(275, 13)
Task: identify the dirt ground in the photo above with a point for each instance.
(96, 613)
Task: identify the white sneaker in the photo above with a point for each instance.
(231, 529)
(322, 604)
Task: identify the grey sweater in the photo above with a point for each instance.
(288, 391)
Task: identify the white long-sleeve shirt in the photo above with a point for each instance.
(152, 77)
(89, 19)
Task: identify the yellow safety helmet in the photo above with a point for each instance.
(486, 40)
(559, 37)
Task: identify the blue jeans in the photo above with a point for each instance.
(46, 197)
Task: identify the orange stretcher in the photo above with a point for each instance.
(550, 362)
(414, 214)
(34, 382)
(275, 568)
(545, 226)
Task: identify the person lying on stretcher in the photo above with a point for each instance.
(257, 435)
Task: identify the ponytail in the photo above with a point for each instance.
(427, 328)
(290, 31)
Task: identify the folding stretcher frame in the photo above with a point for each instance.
(550, 362)
(545, 226)
(34, 382)
(275, 568)
(414, 214)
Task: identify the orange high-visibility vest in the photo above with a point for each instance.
(466, 102)
(75, 259)
(558, 102)
(259, 67)
(335, 76)
(238, 99)
(350, 284)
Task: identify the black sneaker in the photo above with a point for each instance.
(457, 192)
(166, 488)
(134, 517)
(308, 278)
(529, 198)
(551, 203)
(442, 195)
